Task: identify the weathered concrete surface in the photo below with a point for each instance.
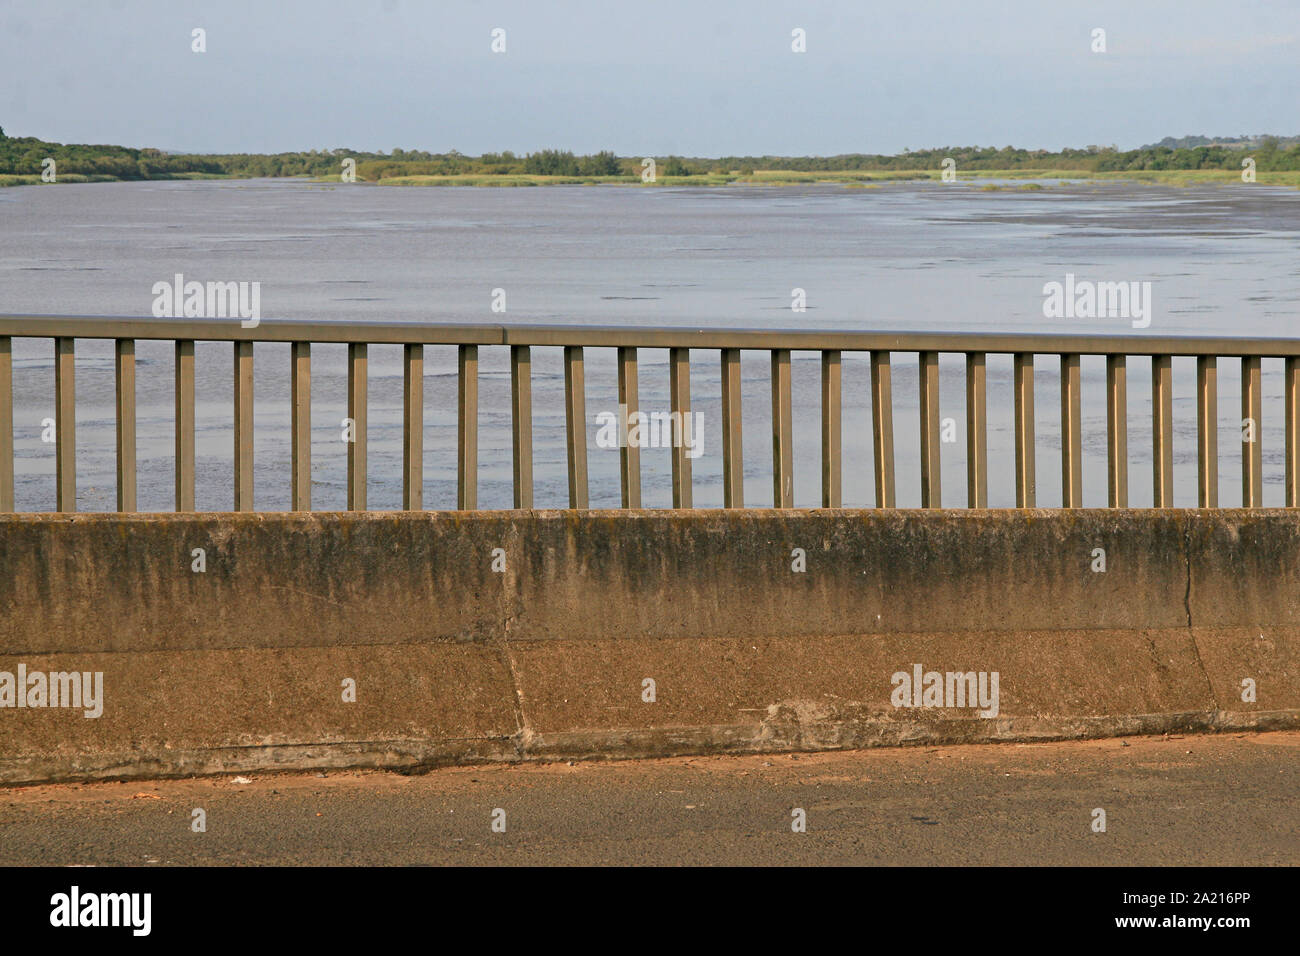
(241, 667)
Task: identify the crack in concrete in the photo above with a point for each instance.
(523, 736)
(1187, 605)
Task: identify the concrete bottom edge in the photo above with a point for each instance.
(773, 735)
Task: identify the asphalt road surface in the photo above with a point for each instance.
(1232, 799)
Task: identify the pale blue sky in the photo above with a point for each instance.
(704, 77)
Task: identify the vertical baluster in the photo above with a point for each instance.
(65, 425)
(6, 424)
(733, 467)
(124, 377)
(243, 426)
(300, 425)
(1117, 431)
(977, 431)
(832, 431)
(575, 424)
(184, 425)
(931, 493)
(882, 428)
(1207, 431)
(1292, 425)
(629, 455)
(1252, 473)
(358, 385)
(679, 388)
(1162, 431)
(467, 428)
(412, 427)
(521, 392)
(1023, 386)
(782, 446)
(1071, 434)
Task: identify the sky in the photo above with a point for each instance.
(697, 78)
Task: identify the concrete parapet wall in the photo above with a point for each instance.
(460, 652)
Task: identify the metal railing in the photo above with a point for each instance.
(679, 342)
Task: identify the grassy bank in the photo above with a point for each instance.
(853, 179)
(11, 179)
(760, 177)
(15, 179)
(1166, 177)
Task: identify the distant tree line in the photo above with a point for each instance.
(1238, 142)
(23, 155)
(1269, 156)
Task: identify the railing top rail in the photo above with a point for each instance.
(399, 333)
(231, 330)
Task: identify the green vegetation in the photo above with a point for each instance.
(1236, 142)
(1276, 162)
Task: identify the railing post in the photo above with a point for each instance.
(6, 424)
(832, 431)
(782, 432)
(243, 426)
(1292, 411)
(882, 428)
(1116, 431)
(521, 416)
(467, 428)
(65, 425)
(185, 425)
(412, 427)
(679, 388)
(928, 366)
(1071, 434)
(575, 422)
(1252, 473)
(629, 455)
(300, 425)
(733, 467)
(1023, 386)
(1207, 431)
(1162, 431)
(358, 385)
(977, 427)
(124, 377)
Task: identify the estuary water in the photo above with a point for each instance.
(910, 256)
